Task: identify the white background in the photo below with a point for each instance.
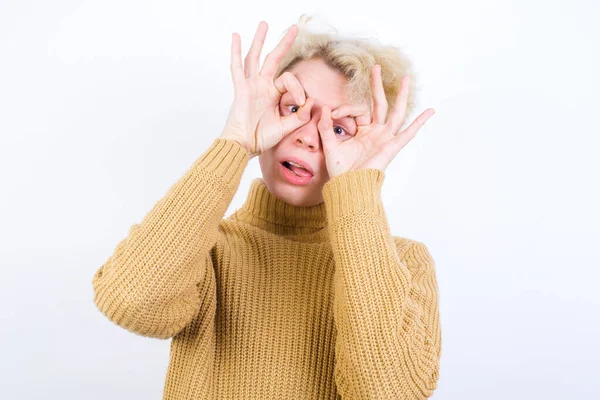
(105, 104)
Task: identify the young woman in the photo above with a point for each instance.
(302, 293)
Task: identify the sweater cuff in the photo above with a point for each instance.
(353, 192)
(226, 159)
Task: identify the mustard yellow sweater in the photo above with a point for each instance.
(277, 301)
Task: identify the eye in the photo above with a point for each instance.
(288, 108)
(338, 128)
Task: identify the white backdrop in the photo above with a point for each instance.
(105, 104)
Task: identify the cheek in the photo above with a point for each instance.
(263, 161)
(325, 173)
(267, 161)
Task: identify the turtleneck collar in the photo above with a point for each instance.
(262, 209)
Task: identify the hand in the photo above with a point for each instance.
(376, 142)
(254, 120)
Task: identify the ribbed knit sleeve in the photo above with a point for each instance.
(159, 276)
(386, 310)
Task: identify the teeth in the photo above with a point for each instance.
(296, 164)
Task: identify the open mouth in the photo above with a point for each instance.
(296, 169)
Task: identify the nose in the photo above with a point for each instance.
(308, 134)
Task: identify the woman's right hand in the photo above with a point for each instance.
(254, 120)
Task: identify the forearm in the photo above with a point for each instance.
(150, 283)
(385, 297)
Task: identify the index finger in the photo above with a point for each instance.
(360, 112)
(274, 58)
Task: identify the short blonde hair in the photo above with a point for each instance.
(354, 58)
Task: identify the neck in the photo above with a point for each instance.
(265, 211)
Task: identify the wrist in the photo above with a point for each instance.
(239, 142)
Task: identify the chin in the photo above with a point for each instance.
(303, 196)
(299, 196)
(295, 195)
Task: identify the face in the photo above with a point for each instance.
(327, 87)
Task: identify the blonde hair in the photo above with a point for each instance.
(354, 58)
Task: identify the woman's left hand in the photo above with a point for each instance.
(376, 142)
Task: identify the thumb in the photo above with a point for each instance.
(325, 127)
(297, 119)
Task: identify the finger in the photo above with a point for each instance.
(296, 120)
(360, 112)
(287, 82)
(237, 72)
(273, 59)
(380, 104)
(401, 139)
(325, 127)
(253, 57)
(399, 111)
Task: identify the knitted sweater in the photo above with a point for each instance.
(277, 301)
